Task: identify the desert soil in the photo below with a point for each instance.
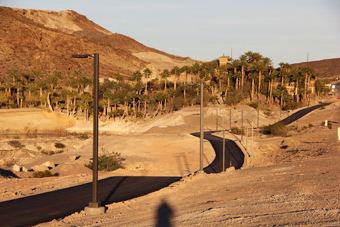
(288, 181)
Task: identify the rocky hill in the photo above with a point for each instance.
(328, 68)
(45, 41)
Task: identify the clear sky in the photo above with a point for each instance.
(284, 30)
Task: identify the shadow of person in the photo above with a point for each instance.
(164, 215)
(7, 173)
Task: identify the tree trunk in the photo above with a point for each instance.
(74, 105)
(18, 95)
(252, 88)
(242, 77)
(67, 106)
(48, 101)
(259, 89)
(296, 91)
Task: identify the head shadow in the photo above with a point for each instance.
(164, 215)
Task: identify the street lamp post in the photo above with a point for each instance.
(94, 206)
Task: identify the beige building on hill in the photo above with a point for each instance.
(223, 60)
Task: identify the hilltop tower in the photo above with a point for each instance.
(223, 60)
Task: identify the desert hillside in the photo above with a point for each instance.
(328, 68)
(41, 40)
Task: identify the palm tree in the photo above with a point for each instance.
(252, 76)
(146, 73)
(52, 81)
(85, 104)
(308, 72)
(58, 76)
(165, 74)
(235, 64)
(176, 71)
(136, 76)
(195, 69)
(244, 64)
(14, 74)
(41, 84)
(296, 75)
(18, 85)
(272, 74)
(49, 91)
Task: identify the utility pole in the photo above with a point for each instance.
(223, 165)
(202, 128)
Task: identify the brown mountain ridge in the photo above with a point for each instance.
(328, 68)
(41, 40)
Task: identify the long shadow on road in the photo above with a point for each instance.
(45, 207)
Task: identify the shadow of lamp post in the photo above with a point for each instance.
(94, 206)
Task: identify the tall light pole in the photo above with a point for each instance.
(94, 206)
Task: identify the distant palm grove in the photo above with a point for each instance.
(251, 78)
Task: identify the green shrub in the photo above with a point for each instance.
(108, 162)
(277, 129)
(41, 174)
(15, 144)
(59, 145)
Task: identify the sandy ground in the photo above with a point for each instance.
(288, 181)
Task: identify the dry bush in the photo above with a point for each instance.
(15, 144)
(277, 129)
(59, 145)
(108, 162)
(41, 174)
(51, 152)
(237, 131)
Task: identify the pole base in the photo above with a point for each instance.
(94, 210)
(201, 174)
